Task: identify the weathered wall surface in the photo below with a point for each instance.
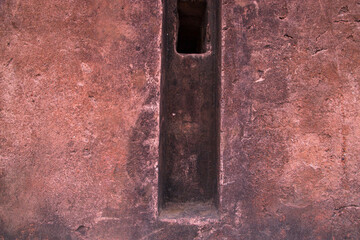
(79, 120)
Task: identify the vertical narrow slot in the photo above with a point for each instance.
(192, 26)
(188, 168)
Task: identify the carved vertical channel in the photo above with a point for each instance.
(189, 139)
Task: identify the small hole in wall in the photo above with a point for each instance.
(192, 26)
(81, 229)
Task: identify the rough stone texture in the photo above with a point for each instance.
(79, 120)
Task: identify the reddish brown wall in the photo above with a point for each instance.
(79, 120)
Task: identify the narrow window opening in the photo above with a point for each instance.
(189, 115)
(192, 26)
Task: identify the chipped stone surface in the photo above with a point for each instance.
(79, 121)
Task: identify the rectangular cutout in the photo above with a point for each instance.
(189, 115)
(192, 26)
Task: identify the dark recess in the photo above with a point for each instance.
(192, 26)
(188, 169)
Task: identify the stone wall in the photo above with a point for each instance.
(79, 121)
